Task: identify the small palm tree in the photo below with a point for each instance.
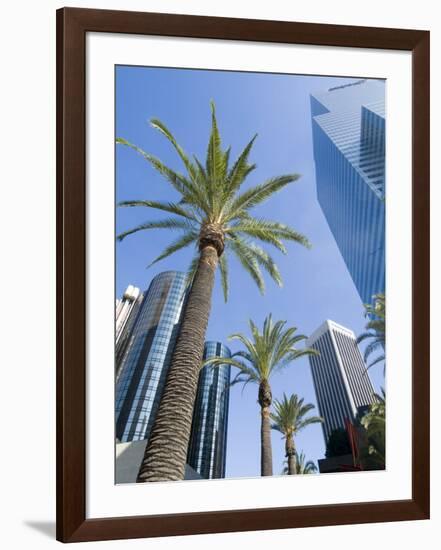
(303, 467)
(266, 353)
(289, 419)
(212, 213)
(375, 329)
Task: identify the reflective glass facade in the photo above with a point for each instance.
(348, 128)
(145, 363)
(126, 313)
(342, 384)
(208, 441)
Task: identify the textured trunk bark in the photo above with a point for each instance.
(291, 455)
(292, 465)
(166, 451)
(266, 455)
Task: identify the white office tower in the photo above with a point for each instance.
(125, 315)
(341, 381)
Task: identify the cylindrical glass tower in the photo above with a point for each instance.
(208, 442)
(144, 366)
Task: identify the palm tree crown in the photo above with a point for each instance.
(290, 413)
(266, 352)
(289, 418)
(375, 329)
(214, 209)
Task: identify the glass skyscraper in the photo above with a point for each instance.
(144, 365)
(126, 313)
(348, 128)
(342, 384)
(208, 441)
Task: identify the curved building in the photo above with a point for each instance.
(144, 366)
(208, 441)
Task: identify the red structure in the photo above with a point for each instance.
(354, 440)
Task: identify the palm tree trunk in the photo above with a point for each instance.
(266, 454)
(166, 451)
(291, 465)
(291, 455)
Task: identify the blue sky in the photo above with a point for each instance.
(317, 285)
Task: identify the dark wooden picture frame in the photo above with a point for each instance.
(72, 26)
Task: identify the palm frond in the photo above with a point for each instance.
(379, 359)
(182, 242)
(365, 336)
(258, 194)
(177, 180)
(249, 263)
(214, 167)
(170, 207)
(168, 223)
(252, 230)
(161, 127)
(202, 176)
(310, 420)
(269, 231)
(257, 254)
(244, 370)
(371, 347)
(240, 170)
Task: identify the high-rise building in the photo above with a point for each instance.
(126, 312)
(146, 360)
(208, 441)
(342, 384)
(348, 128)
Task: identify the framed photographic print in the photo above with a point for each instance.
(237, 200)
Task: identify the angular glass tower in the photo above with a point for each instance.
(342, 384)
(348, 128)
(144, 365)
(208, 441)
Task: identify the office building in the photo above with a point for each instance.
(208, 441)
(342, 384)
(146, 360)
(126, 312)
(348, 128)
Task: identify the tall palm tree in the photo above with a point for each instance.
(289, 418)
(303, 467)
(212, 213)
(266, 353)
(375, 329)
